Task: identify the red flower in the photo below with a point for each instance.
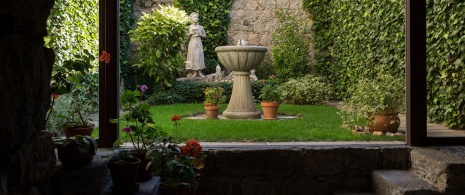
(192, 148)
(176, 118)
(105, 57)
(55, 96)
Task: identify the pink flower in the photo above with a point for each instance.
(143, 88)
(127, 129)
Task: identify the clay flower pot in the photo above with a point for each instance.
(212, 112)
(270, 110)
(144, 173)
(385, 122)
(124, 175)
(70, 132)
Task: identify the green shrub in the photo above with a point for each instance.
(291, 50)
(159, 38)
(306, 90)
(193, 92)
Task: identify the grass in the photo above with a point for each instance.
(317, 123)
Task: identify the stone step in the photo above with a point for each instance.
(439, 168)
(400, 182)
(149, 187)
(352, 193)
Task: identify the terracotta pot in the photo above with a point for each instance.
(270, 110)
(124, 176)
(70, 132)
(211, 112)
(385, 122)
(70, 155)
(144, 174)
(184, 189)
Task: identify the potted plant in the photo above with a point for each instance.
(213, 96)
(140, 127)
(73, 77)
(124, 169)
(379, 100)
(176, 165)
(270, 98)
(76, 151)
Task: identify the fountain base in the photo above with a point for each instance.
(242, 115)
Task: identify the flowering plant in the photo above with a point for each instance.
(174, 168)
(270, 93)
(140, 127)
(214, 95)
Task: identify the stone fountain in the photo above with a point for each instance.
(241, 59)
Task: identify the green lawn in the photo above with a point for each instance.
(317, 123)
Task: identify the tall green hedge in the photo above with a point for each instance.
(356, 38)
(214, 17)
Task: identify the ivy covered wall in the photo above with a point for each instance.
(357, 38)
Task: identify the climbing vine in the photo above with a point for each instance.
(214, 17)
(73, 27)
(356, 39)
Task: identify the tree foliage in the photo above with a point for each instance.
(159, 37)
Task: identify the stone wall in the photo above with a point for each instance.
(318, 170)
(251, 20)
(25, 71)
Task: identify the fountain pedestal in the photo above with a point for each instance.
(241, 105)
(241, 59)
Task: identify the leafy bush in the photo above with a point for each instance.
(291, 50)
(159, 38)
(165, 97)
(306, 90)
(383, 94)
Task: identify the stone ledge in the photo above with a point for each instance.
(399, 182)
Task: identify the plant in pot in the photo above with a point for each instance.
(270, 97)
(140, 127)
(74, 79)
(124, 169)
(379, 100)
(213, 97)
(175, 166)
(77, 150)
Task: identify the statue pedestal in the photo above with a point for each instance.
(241, 105)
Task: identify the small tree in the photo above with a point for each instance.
(159, 37)
(291, 47)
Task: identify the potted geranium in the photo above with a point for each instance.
(213, 96)
(71, 78)
(270, 97)
(77, 150)
(124, 169)
(139, 127)
(176, 166)
(379, 100)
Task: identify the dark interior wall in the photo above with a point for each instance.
(25, 70)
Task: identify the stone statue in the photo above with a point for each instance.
(252, 75)
(195, 59)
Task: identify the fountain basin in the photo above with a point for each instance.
(241, 58)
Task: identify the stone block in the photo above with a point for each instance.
(254, 186)
(295, 4)
(394, 158)
(357, 180)
(361, 158)
(212, 185)
(272, 162)
(304, 186)
(322, 162)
